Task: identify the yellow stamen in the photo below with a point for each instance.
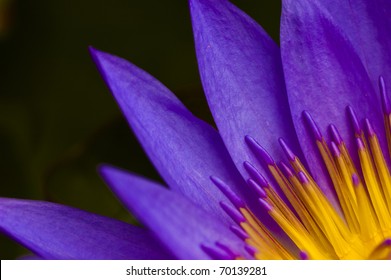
(381, 168)
(352, 229)
(372, 182)
(368, 221)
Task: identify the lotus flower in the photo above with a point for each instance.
(298, 168)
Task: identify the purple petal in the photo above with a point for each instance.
(241, 72)
(242, 76)
(185, 150)
(367, 24)
(54, 231)
(178, 223)
(323, 75)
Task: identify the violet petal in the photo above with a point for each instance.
(185, 150)
(242, 76)
(176, 221)
(54, 231)
(323, 75)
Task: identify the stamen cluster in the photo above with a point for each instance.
(358, 226)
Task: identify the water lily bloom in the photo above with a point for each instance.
(299, 166)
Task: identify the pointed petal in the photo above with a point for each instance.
(367, 24)
(242, 76)
(184, 149)
(241, 72)
(54, 231)
(178, 223)
(324, 75)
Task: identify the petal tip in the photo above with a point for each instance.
(104, 170)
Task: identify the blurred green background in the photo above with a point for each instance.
(58, 120)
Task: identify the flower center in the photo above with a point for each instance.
(358, 228)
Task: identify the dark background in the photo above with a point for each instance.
(58, 120)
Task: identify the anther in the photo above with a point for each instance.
(288, 152)
(259, 151)
(266, 205)
(235, 215)
(360, 144)
(312, 125)
(384, 97)
(355, 180)
(227, 191)
(286, 170)
(258, 189)
(303, 255)
(370, 130)
(334, 149)
(335, 134)
(251, 250)
(354, 120)
(255, 174)
(239, 232)
(303, 178)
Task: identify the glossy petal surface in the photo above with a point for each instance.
(317, 56)
(55, 231)
(176, 221)
(185, 150)
(241, 72)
